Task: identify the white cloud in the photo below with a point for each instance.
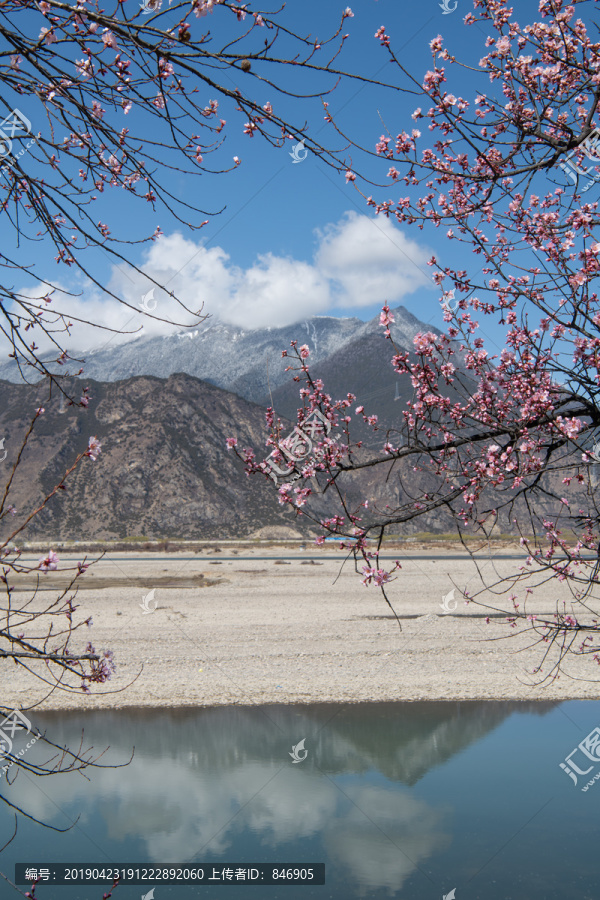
(359, 261)
(370, 260)
(275, 292)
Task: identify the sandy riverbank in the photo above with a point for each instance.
(251, 631)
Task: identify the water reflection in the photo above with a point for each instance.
(217, 783)
(408, 832)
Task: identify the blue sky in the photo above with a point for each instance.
(294, 239)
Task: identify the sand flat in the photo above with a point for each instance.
(250, 631)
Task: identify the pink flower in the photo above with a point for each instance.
(204, 6)
(48, 35)
(382, 577)
(284, 493)
(231, 443)
(109, 39)
(383, 37)
(166, 68)
(386, 317)
(379, 576)
(85, 67)
(304, 351)
(350, 176)
(368, 572)
(94, 447)
(302, 495)
(48, 562)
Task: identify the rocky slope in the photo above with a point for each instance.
(164, 469)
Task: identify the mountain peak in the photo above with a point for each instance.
(246, 362)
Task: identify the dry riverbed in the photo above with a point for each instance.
(251, 631)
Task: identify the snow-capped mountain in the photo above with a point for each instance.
(249, 363)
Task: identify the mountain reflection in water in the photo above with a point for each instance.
(219, 785)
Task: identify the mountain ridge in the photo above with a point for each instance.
(249, 363)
